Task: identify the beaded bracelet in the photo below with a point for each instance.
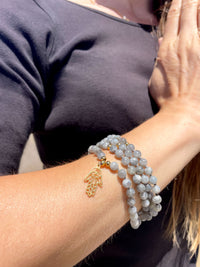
(141, 176)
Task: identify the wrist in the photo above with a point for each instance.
(184, 117)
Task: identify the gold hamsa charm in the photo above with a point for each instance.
(94, 179)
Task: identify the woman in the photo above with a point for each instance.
(74, 73)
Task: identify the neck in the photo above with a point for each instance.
(140, 11)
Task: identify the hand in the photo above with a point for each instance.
(175, 82)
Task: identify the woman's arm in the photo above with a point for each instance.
(46, 219)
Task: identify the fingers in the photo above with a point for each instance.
(173, 18)
(188, 19)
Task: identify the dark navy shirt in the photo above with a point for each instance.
(72, 75)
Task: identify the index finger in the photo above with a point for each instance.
(173, 20)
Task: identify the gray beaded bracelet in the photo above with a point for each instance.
(122, 174)
(142, 177)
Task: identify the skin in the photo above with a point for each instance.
(46, 217)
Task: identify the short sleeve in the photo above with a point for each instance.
(24, 48)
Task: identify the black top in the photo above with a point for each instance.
(72, 75)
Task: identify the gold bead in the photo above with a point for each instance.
(107, 163)
(109, 146)
(102, 163)
(103, 158)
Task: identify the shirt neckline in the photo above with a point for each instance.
(140, 25)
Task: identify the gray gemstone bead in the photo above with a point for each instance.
(100, 154)
(122, 174)
(141, 188)
(148, 170)
(114, 166)
(137, 179)
(105, 145)
(153, 213)
(143, 162)
(148, 217)
(148, 188)
(145, 203)
(119, 153)
(137, 154)
(150, 195)
(145, 179)
(132, 210)
(123, 140)
(131, 147)
(93, 149)
(143, 217)
(158, 207)
(114, 141)
(126, 183)
(125, 161)
(157, 199)
(134, 217)
(144, 195)
(145, 209)
(128, 153)
(135, 224)
(131, 170)
(130, 192)
(134, 161)
(139, 170)
(113, 149)
(122, 147)
(131, 202)
(101, 144)
(153, 179)
(156, 189)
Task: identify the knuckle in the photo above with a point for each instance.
(189, 4)
(174, 12)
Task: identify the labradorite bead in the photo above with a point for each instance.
(148, 170)
(100, 155)
(122, 147)
(126, 183)
(133, 161)
(125, 161)
(144, 195)
(156, 189)
(153, 179)
(113, 149)
(128, 153)
(114, 141)
(157, 199)
(114, 166)
(131, 170)
(132, 210)
(143, 162)
(137, 154)
(145, 179)
(130, 192)
(137, 179)
(131, 147)
(145, 203)
(122, 174)
(139, 170)
(141, 188)
(119, 153)
(131, 202)
(148, 188)
(135, 224)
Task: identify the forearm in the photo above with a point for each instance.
(48, 220)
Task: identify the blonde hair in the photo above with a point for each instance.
(185, 215)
